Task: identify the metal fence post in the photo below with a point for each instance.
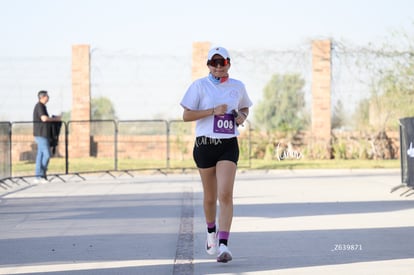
(168, 144)
(116, 145)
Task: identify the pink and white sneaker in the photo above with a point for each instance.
(224, 254)
(211, 243)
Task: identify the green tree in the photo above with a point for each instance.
(102, 108)
(392, 83)
(396, 93)
(338, 116)
(360, 118)
(282, 106)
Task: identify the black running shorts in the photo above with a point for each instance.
(208, 151)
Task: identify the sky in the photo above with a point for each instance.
(48, 28)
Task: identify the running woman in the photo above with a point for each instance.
(218, 104)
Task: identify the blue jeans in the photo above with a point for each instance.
(42, 157)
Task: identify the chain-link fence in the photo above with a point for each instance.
(149, 87)
(145, 86)
(359, 111)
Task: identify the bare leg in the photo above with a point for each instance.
(225, 173)
(209, 181)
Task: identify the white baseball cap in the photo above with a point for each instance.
(220, 51)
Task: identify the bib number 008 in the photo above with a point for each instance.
(226, 124)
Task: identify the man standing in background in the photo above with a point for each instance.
(41, 134)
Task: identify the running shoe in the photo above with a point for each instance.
(224, 254)
(211, 243)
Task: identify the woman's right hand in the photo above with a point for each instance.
(220, 110)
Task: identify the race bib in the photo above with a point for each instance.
(224, 124)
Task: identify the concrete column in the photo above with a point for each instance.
(321, 90)
(81, 102)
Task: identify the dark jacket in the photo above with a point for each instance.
(53, 135)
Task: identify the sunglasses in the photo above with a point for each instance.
(219, 61)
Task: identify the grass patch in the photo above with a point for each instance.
(57, 165)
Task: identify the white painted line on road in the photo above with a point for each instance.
(25, 269)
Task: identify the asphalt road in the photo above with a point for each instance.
(285, 222)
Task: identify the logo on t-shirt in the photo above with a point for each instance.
(234, 94)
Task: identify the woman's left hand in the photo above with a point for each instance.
(241, 118)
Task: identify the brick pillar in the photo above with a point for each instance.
(199, 67)
(199, 62)
(321, 90)
(81, 102)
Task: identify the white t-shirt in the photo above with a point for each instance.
(204, 94)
